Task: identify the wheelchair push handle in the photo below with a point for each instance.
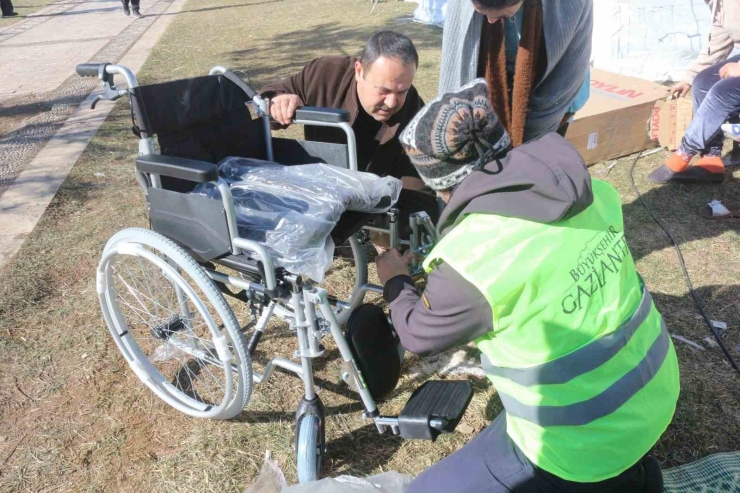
(89, 69)
(106, 71)
(231, 75)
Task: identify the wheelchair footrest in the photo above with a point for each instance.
(435, 407)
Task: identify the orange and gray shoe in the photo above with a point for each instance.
(677, 163)
(709, 169)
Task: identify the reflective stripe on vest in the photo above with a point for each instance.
(607, 402)
(580, 361)
(584, 365)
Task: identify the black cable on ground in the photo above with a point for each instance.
(694, 296)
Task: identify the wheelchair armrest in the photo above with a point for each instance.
(176, 167)
(321, 115)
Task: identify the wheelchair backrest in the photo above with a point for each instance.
(203, 118)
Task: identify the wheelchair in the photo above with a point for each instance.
(163, 291)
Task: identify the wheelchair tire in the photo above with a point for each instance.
(173, 326)
(309, 451)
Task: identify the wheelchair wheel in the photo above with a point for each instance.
(172, 325)
(309, 448)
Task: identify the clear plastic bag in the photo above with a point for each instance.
(165, 352)
(293, 209)
(271, 480)
(388, 482)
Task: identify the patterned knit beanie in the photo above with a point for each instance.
(454, 135)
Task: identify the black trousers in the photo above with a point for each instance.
(6, 6)
(492, 463)
(134, 4)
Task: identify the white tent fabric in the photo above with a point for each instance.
(650, 39)
(430, 11)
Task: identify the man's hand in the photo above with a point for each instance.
(730, 70)
(680, 89)
(412, 183)
(282, 108)
(391, 264)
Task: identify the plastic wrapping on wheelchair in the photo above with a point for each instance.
(292, 210)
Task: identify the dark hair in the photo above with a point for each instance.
(389, 44)
(496, 4)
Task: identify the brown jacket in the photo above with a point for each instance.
(330, 82)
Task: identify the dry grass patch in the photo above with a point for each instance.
(74, 417)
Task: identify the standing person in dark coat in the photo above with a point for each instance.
(6, 6)
(134, 7)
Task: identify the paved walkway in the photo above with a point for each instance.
(38, 87)
(44, 103)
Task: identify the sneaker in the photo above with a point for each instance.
(731, 131)
(137, 14)
(713, 164)
(12, 14)
(676, 163)
(126, 10)
(709, 169)
(664, 174)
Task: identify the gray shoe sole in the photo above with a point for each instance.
(664, 174)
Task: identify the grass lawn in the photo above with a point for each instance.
(24, 8)
(74, 417)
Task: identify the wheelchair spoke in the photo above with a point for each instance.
(139, 293)
(169, 319)
(133, 279)
(138, 312)
(147, 282)
(207, 370)
(193, 376)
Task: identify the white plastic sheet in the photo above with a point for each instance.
(271, 480)
(292, 210)
(389, 482)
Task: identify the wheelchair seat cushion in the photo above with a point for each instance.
(292, 210)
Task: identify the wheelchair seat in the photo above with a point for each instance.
(208, 119)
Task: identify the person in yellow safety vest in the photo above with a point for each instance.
(534, 267)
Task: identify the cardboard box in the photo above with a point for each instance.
(615, 121)
(670, 120)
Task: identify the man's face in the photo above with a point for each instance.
(494, 15)
(383, 87)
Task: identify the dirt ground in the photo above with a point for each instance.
(73, 417)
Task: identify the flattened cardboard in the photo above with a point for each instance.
(669, 121)
(615, 121)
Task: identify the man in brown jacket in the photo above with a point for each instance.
(375, 89)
